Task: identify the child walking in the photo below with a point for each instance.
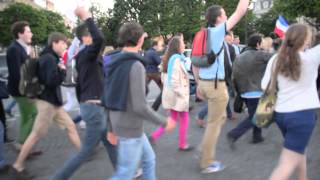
(175, 97)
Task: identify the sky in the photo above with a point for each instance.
(67, 7)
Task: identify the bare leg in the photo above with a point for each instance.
(302, 169)
(288, 162)
(63, 119)
(32, 139)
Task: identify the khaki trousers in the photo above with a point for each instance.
(47, 113)
(217, 102)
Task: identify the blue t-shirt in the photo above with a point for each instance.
(252, 94)
(217, 35)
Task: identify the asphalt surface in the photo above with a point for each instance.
(247, 162)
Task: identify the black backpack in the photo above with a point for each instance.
(29, 84)
(71, 74)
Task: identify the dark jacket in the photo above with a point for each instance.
(89, 67)
(51, 76)
(107, 58)
(117, 80)
(249, 69)
(16, 56)
(152, 61)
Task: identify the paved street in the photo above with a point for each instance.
(247, 162)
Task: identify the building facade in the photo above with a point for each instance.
(262, 6)
(6, 3)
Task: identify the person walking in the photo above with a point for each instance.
(248, 71)
(51, 74)
(89, 92)
(175, 97)
(127, 107)
(153, 60)
(212, 85)
(17, 53)
(295, 69)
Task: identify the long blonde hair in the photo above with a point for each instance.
(289, 62)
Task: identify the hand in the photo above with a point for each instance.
(62, 66)
(82, 13)
(199, 95)
(112, 138)
(171, 124)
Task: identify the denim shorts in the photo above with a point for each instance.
(296, 128)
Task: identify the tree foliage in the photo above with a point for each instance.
(291, 11)
(167, 17)
(298, 8)
(42, 22)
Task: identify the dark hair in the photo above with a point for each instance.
(154, 43)
(82, 31)
(129, 34)
(276, 44)
(254, 39)
(18, 27)
(229, 33)
(212, 13)
(289, 62)
(55, 37)
(173, 48)
(316, 39)
(179, 34)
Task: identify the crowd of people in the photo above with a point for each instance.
(114, 112)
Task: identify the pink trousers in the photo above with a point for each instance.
(184, 124)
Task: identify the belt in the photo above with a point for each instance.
(220, 80)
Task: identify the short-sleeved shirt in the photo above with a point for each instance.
(301, 94)
(217, 35)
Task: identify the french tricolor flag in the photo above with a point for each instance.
(281, 27)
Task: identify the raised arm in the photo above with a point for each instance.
(97, 37)
(238, 14)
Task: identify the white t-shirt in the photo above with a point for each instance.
(301, 94)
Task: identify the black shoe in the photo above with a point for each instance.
(8, 140)
(187, 148)
(198, 99)
(4, 169)
(231, 142)
(257, 140)
(190, 108)
(20, 175)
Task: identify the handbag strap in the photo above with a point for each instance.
(272, 85)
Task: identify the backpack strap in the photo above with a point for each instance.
(216, 79)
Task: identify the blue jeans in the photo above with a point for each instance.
(9, 107)
(96, 129)
(203, 112)
(247, 124)
(131, 152)
(2, 160)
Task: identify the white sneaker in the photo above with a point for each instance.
(216, 166)
(82, 124)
